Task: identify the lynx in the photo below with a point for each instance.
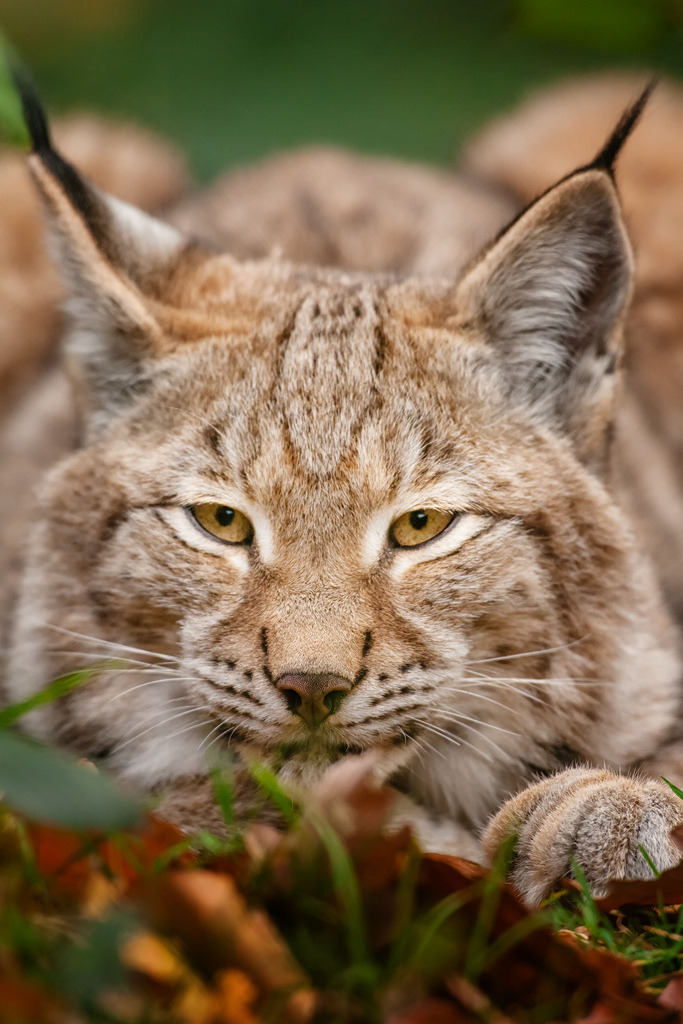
(338, 484)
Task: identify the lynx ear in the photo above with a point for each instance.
(112, 257)
(550, 295)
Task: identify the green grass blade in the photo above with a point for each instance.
(676, 790)
(224, 794)
(649, 861)
(512, 936)
(432, 923)
(591, 914)
(53, 691)
(347, 889)
(269, 785)
(488, 908)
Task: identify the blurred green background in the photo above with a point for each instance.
(232, 80)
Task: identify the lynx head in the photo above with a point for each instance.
(346, 512)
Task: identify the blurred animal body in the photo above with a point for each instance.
(332, 471)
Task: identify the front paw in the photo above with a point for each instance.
(596, 818)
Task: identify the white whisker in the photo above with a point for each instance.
(529, 654)
(440, 753)
(484, 736)
(97, 640)
(460, 717)
(484, 680)
(215, 729)
(152, 682)
(480, 696)
(223, 735)
(457, 741)
(126, 664)
(187, 728)
(522, 693)
(157, 725)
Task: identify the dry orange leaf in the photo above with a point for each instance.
(147, 954)
(238, 996)
(219, 931)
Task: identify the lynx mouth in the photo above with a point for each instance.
(333, 751)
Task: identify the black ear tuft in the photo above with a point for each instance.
(77, 189)
(34, 112)
(604, 161)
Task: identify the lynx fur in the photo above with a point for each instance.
(327, 344)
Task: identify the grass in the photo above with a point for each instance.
(651, 938)
(355, 910)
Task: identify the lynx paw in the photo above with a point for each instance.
(599, 819)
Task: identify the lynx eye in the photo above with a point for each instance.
(223, 522)
(418, 526)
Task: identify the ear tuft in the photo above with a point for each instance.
(116, 262)
(80, 194)
(605, 159)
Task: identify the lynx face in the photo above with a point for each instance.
(328, 513)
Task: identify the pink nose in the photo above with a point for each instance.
(312, 696)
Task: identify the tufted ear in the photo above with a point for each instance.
(114, 259)
(549, 297)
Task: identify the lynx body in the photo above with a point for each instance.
(321, 510)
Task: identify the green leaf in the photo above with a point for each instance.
(269, 785)
(57, 688)
(89, 969)
(677, 791)
(13, 128)
(48, 786)
(347, 889)
(649, 861)
(223, 787)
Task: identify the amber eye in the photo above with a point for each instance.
(418, 526)
(223, 522)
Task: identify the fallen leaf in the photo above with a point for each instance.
(24, 1002)
(218, 931)
(68, 860)
(147, 954)
(672, 996)
(434, 1011)
(668, 888)
(238, 996)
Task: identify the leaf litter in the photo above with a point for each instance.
(332, 918)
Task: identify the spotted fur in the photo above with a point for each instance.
(325, 402)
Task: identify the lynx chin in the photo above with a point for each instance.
(344, 464)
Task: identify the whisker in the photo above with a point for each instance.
(156, 725)
(223, 735)
(159, 712)
(187, 728)
(460, 717)
(530, 654)
(484, 680)
(481, 696)
(97, 640)
(484, 736)
(457, 741)
(152, 682)
(522, 693)
(440, 753)
(215, 729)
(438, 731)
(128, 664)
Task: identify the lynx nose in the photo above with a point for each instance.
(312, 696)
